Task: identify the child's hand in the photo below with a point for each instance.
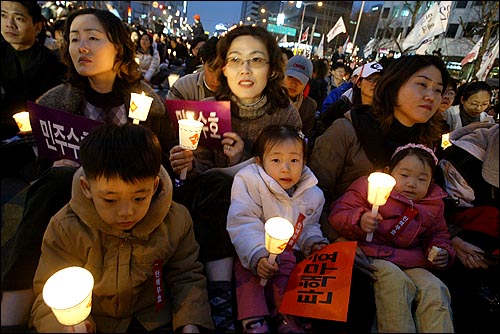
(265, 269)
(190, 329)
(71, 329)
(317, 247)
(369, 222)
(440, 261)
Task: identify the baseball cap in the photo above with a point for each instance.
(368, 69)
(196, 17)
(299, 67)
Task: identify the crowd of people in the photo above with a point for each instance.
(170, 256)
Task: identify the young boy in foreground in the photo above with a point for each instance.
(122, 226)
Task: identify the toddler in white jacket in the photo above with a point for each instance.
(279, 184)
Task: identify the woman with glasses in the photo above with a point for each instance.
(474, 101)
(252, 72)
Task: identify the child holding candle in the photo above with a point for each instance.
(122, 226)
(102, 75)
(406, 229)
(251, 78)
(278, 184)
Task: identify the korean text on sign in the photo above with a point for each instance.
(319, 286)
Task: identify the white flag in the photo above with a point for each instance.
(338, 28)
(319, 51)
(472, 55)
(346, 44)
(369, 48)
(487, 63)
(424, 46)
(434, 22)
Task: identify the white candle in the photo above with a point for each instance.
(139, 107)
(278, 232)
(445, 140)
(189, 136)
(68, 293)
(23, 121)
(379, 188)
(172, 78)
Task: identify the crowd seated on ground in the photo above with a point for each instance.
(367, 129)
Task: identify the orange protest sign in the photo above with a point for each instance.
(319, 286)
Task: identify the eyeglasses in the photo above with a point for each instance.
(372, 80)
(476, 105)
(255, 62)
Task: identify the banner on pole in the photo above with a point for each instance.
(434, 22)
(369, 48)
(472, 55)
(320, 50)
(304, 36)
(487, 63)
(338, 28)
(424, 46)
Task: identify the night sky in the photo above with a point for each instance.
(214, 12)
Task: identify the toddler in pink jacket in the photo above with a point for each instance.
(409, 298)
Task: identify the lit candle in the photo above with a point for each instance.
(68, 293)
(278, 232)
(379, 188)
(189, 136)
(445, 140)
(139, 107)
(172, 78)
(23, 121)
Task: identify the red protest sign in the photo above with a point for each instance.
(319, 286)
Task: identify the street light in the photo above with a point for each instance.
(305, 4)
(279, 18)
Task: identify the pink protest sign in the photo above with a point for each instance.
(215, 116)
(58, 133)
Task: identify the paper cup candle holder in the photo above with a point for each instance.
(139, 107)
(379, 188)
(23, 121)
(68, 293)
(189, 136)
(278, 232)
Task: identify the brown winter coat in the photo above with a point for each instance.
(122, 264)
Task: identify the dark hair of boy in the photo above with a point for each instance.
(130, 152)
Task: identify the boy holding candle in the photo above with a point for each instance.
(410, 239)
(102, 75)
(122, 226)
